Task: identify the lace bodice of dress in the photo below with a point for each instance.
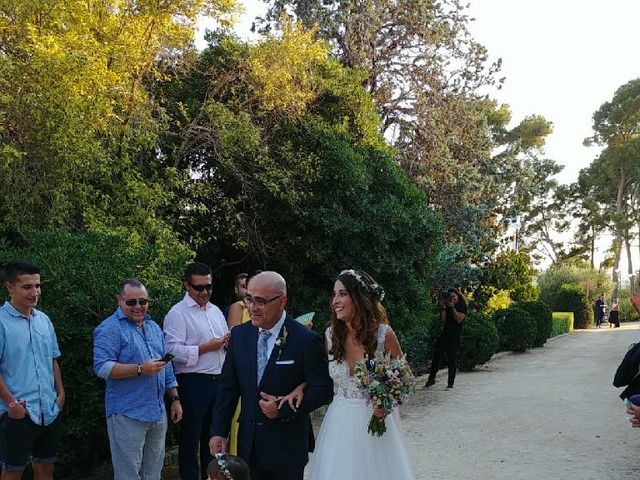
(344, 384)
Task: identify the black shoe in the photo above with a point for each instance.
(430, 382)
(450, 386)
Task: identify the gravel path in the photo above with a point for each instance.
(548, 413)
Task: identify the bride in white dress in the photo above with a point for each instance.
(344, 449)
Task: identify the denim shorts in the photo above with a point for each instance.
(22, 440)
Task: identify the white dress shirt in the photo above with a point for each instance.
(275, 331)
(188, 325)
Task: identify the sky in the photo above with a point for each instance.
(561, 59)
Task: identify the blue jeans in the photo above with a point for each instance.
(198, 396)
(137, 448)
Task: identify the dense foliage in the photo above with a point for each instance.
(80, 274)
(573, 288)
(516, 329)
(541, 313)
(479, 340)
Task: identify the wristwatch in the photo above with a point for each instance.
(175, 398)
(139, 369)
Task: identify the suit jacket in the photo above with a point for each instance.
(281, 443)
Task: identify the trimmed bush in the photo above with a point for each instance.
(572, 298)
(479, 341)
(562, 323)
(543, 318)
(80, 274)
(516, 329)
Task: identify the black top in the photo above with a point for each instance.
(453, 329)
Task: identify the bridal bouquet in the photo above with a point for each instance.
(386, 383)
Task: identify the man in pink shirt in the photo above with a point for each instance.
(196, 333)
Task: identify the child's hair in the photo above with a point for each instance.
(228, 467)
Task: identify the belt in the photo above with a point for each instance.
(209, 376)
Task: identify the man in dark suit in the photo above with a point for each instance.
(267, 359)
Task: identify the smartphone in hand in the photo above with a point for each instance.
(166, 359)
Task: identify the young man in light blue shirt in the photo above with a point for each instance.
(31, 390)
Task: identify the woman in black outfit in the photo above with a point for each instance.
(454, 310)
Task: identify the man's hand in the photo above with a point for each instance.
(151, 367)
(60, 399)
(176, 411)
(18, 412)
(269, 405)
(217, 445)
(216, 343)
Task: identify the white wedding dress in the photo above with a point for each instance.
(344, 449)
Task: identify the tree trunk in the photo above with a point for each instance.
(617, 243)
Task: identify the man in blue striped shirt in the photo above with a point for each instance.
(128, 351)
(31, 391)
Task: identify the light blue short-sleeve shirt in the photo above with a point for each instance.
(28, 347)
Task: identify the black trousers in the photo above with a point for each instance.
(197, 396)
(449, 346)
(259, 473)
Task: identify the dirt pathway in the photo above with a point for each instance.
(548, 413)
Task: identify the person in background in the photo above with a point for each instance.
(129, 354)
(196, 334)
(240, 290)
(238, 311)
(31, 390)
(600, 307)
(614, 314)
(452, 313)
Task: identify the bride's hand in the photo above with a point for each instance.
(379, 412)
(294, 398)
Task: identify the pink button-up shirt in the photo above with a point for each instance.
(188, 325)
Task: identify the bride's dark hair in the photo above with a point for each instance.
(368, 314)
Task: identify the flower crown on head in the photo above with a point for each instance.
(375, 289)
(221, 460)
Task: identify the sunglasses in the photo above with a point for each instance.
(201, 288)
(132, 302)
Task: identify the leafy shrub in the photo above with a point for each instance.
(479, 340)
(79, 277)
(543, 318)
(498, 300)
(572, 298)
(516, 329)
(415, 343)
(627, 312)
(562, 323)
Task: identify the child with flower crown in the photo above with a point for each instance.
(228, 467)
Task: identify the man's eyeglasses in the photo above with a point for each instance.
(258, 301)
(201, 288)
(133, 301)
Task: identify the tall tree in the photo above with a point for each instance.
(78, 126)
(616, 126)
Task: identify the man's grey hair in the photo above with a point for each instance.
(132, 282)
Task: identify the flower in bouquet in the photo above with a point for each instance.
(385, 382)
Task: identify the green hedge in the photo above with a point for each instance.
(80, 274)
(479, 341)
(516, 328)
(562, 323)
(543, 319)
(572, 298)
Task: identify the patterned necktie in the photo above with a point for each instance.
(263, 348)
